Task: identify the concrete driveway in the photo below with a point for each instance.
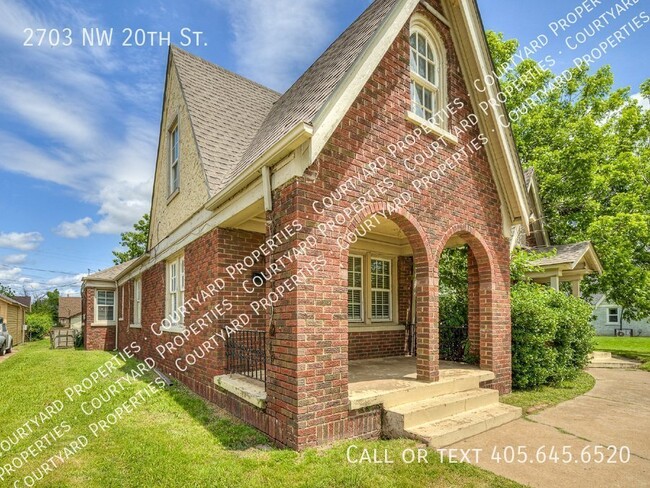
(615, 413)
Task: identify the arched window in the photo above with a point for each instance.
(428, 74)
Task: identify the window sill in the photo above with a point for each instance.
(357, 327)
(179, 329)
(173, 195)
(428, 126)
(103, 324)
(135, 326)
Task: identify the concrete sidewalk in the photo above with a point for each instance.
(615, 413)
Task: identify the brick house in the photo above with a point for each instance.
(292, 267)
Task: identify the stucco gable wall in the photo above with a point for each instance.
(166, 214)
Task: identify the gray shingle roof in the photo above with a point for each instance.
(236, 120)
(566, 253)
(12, 301)
(303, 101)
(109, 274)
(69, 307)
(226, 110)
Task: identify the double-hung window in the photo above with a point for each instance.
(370, 289)
(355, 288)
(428, 68)
(105, 307)
(380, 290)
(174, 160)
(613, 316)
(176, 289)
(137, 301)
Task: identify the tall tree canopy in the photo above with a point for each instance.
(133, 242)
(590, 146)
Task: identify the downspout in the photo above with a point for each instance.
(117, 322)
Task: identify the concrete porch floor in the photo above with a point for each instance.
(386, 381)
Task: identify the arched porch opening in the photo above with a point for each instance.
(387, 277)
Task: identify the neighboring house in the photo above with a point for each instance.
(13, 312)
(295, 237)
(70, 312)
(99, 307)
(564, 263)
(608, 320)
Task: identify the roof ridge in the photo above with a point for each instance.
(174, 47)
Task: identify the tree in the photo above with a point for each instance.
(48, 304)
(590, 146)
(134, 242)
(7, 291)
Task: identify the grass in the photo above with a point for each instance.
(629, 347)
(175, 439)
(533, 401)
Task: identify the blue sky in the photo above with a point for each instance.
(79, 124)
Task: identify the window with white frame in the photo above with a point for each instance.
(137, 301)
(176, 289)
(355, 288)
(105, 307)
(613, 316)
(174, 160)
(380, 289)
(428, 74)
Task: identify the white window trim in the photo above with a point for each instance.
(179, 261)
(369, 324)
(104, 323)
(421, 25)
(362, 320)
(618, 315)
(173, 190)
(137, 304)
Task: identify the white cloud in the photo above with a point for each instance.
(643, 101)
(14, 258)
(9, 274)
(275, 41)
(66, 280)
(87, 128)
(74, 230)
(23, 241)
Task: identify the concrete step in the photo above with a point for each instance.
(598, 355)
(392, 393)
(444, 432)
(614, 363)
(405, 416)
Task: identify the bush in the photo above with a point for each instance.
(79, 340)
(552, 336)
(38, 325)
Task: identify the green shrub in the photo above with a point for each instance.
(38, 325)
(551, 336)
(79, 340)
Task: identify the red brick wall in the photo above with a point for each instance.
(312, 372)
(369, 345)
(96, 337)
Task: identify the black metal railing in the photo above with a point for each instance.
(453, 342)
(246, 354)
(411, 340)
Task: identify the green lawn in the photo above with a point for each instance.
(630, 347)
(176, 439)
(547, 396)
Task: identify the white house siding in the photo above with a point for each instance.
(640, 327)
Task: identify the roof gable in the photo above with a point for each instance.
(309, 94)
(225, 109)
(69, 307)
